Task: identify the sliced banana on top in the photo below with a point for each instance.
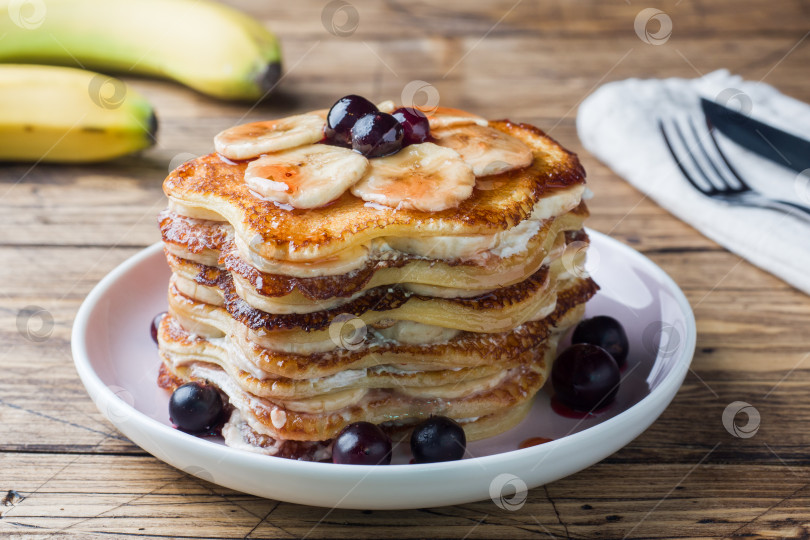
(442, 117)
(306, 177)
(485, 149)
(257, 138)
(422, 177)
(386, 106)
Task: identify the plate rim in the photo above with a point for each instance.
(101, 393)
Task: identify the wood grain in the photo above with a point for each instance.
(65, 227)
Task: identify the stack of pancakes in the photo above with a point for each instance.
(311, 319)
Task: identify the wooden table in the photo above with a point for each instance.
(64, 227)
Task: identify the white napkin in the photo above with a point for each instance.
(619, 125)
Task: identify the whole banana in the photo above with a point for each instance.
(58, 114)
(207, 46)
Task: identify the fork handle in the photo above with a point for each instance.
(794, 209)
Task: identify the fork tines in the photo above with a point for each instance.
(699, 157)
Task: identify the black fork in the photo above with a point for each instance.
(718, 178)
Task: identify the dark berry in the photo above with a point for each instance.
(195, 407)
(415, 125)
(605, 332)
(585, 377)
(155, 325)
(377, 134)
(438, 439)
(362, 443)
(342, 117)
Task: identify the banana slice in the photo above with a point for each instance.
(252, 140)
(333, 401)
(422, 177)
(487, 150)
(387, 106)
(442, 117)
(305, 177)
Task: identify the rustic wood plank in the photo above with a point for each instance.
(72, 493)
(380, 21)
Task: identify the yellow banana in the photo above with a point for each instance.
(210, 47)
(57, 114)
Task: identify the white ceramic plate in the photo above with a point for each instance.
(118, 363)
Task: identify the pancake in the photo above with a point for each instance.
(208, 243)
(212, 187)
(216, 305)
(334, 391)
(238, 434)
(378, 406)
